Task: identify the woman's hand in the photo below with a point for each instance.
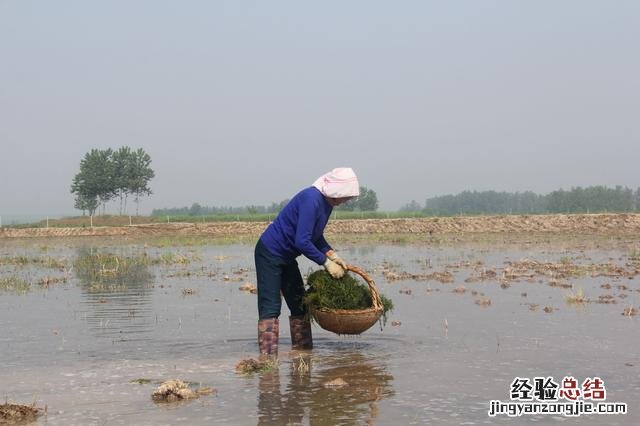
(337, 259)
(333, 268)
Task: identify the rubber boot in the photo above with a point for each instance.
(268, 330)
(300, 332)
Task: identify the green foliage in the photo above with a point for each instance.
(138, 175)
(411, 207)
(593, 199)
(267, 217)
(367, 201)
(105, 174)
(250, 365)
(43, 262)
(111, 272)
(223, 213)
(94, 183)
(324, 291)
(84, 201)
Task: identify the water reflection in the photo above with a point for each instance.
(305, 396)
(117, 290)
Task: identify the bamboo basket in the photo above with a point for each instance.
(351, 321)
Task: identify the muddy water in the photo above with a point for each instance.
(162, 313)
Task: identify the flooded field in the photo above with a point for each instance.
(91, 327)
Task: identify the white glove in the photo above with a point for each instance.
(333, 268)
(337, 259)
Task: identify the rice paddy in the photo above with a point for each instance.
(468, 316)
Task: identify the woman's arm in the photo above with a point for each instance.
(307, 217)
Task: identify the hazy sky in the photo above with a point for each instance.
(247, 102)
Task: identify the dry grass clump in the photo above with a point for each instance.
(443, 277)
(532, 306)
(397, 276)
(177, 390)
(483, 301)
(18, 413)
(49, 281)
(485, 274)
(45, 262)
(606, 299)
(16, 260)
(14, 284)
(459, 290)
(173, 259)
(301, 366)
(250, 365)
(188, 291)
(335, 383)
(248, 288)
(630, 311)
(559, 283)
(229, 278)
(173, 390)
(528, 268)
(141, 381)
(205, 391)
(577, 296)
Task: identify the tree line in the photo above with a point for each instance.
(107, 174)
(367, 201)
(592, 199)
(198, 210)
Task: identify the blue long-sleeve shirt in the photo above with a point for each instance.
(298, 228)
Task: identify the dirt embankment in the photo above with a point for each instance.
(576, 223)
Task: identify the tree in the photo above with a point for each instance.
(195, 209)
(411, 207)
(86, 203)
(366, 201)
(121, 160)
(276, 207)
(94, 183)
(138, 175)
(105, 174)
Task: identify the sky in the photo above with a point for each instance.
(248, 102)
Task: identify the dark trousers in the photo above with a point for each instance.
(276, 276)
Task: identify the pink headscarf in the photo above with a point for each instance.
(338, 183)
